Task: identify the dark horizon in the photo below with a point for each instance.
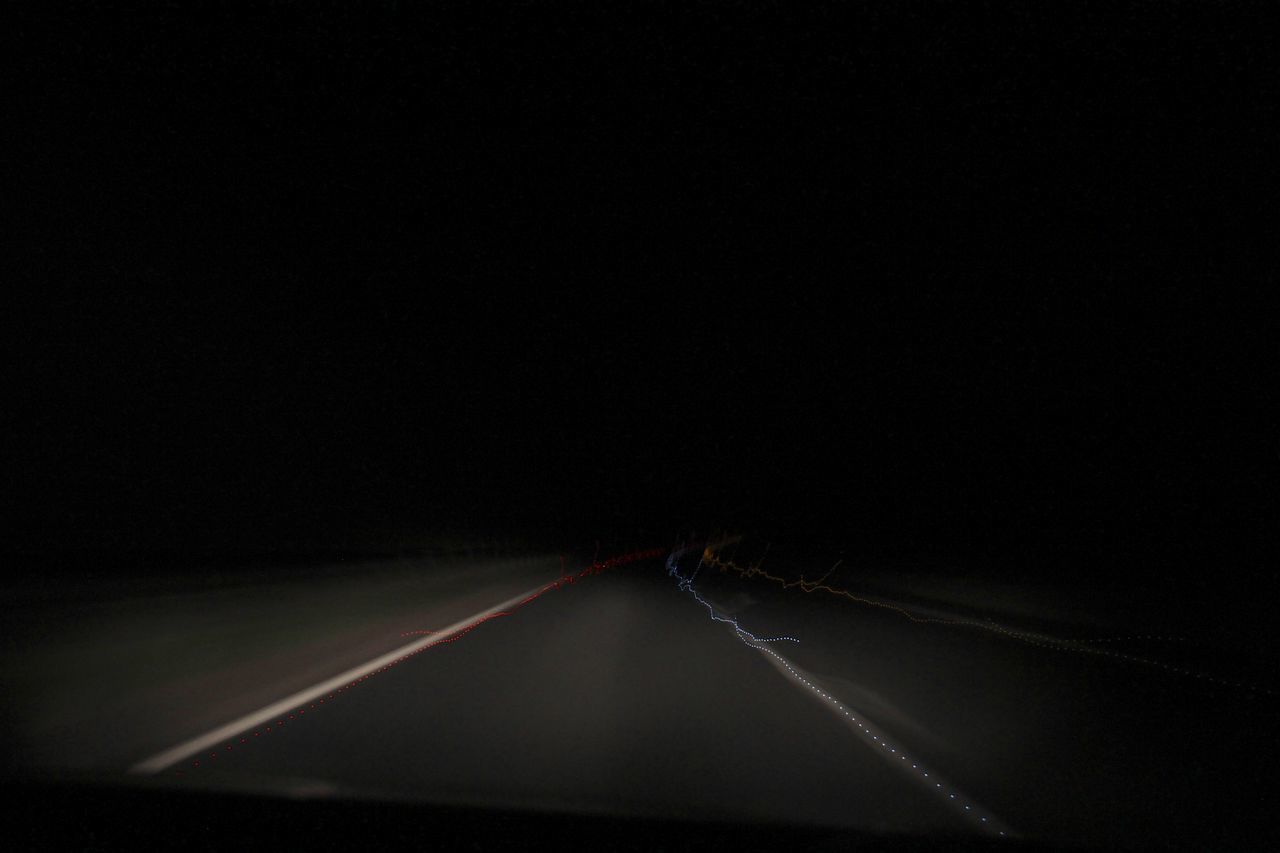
(945, 286)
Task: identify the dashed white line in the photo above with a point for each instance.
(983, 818)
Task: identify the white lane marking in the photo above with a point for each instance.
(857, 724)
(172, 756)
(862, 727)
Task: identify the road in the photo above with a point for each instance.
(632, 692)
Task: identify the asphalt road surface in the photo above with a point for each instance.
(636, 692)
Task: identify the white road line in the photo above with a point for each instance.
(875, 737)
(172, 756)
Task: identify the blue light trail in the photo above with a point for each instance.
(686, 585)
(875, 737)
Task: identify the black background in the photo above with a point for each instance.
(982, 282)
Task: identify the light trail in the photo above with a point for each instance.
(1045, 641)
(965, 807)
(277, 715)
(686, 585)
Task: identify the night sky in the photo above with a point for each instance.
(945, 279)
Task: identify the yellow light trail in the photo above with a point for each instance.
(710, 558)
(754, 570)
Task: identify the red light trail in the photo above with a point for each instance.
(595, 568)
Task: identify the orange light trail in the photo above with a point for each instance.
(710, 558)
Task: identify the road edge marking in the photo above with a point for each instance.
(169, 757)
